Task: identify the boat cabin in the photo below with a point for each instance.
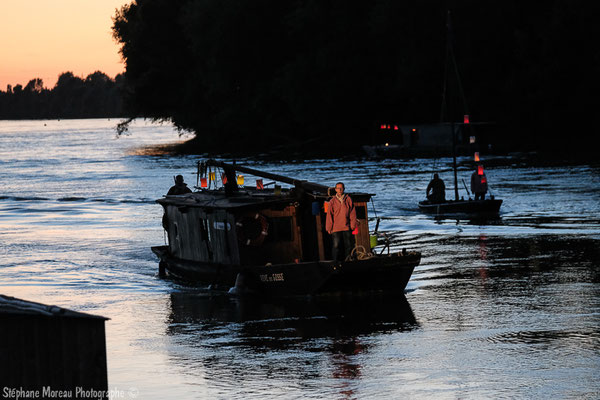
(240, 225)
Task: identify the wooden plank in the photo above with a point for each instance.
(320, 243)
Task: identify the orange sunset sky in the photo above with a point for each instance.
(44, 38)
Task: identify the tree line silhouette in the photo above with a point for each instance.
(96, 96)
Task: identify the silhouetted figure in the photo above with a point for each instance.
(179, 188)
(479, 185)
(340, 222)
(436, 190)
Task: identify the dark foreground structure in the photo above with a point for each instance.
(51, 352)
(270, 241)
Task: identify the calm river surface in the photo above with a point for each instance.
(508, 308)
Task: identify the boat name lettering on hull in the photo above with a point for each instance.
(272, 277)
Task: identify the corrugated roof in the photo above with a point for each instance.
(14, 306)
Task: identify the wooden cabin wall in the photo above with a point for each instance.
(174, 223)
(198, 235)
(223, 237)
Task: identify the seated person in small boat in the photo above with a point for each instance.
(436, 190)
(479, 185)
(180, 187)
(340, 222)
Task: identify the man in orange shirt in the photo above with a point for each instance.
(340, 222)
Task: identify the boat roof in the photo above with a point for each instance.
(244, 198)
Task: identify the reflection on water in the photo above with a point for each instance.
(507, 307)
(289, 321)
(285, 340)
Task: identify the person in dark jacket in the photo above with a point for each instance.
(179, 188)
(479, 185)
(340, 222)
(436, 190)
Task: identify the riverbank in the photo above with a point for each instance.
(313, 150)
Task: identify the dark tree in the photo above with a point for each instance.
(253, 75)
(72, 97)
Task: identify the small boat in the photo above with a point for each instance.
(270, 241)
(480, 207)
(486, 207)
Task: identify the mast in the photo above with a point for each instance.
(454, 161)
(450, 58)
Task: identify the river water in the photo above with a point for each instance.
(503, 308)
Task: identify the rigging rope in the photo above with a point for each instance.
(359, 253)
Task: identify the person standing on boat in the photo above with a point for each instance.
(479, 185)
(179, 188)
(436, 190)
(341, 222)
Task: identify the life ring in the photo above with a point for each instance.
(252, 229)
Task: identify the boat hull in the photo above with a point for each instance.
(380, 272)
(477, 207)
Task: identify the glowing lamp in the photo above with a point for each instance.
(466, 119)
(382, 126)
(240, 179)
(414, 129)
(387, 144)
(259, 184)
(224, 178)
(395, 127)
(480, 170)
(471, 139)
(212, 177)
(203, 182)
(388, 127)
(326, 206)
(476, 156)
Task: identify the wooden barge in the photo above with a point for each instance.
(270, 241)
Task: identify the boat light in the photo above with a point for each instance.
(387, 144)
(395, 127)
(240, 179)
(466, 119)
(382, 126)
(476, 156)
